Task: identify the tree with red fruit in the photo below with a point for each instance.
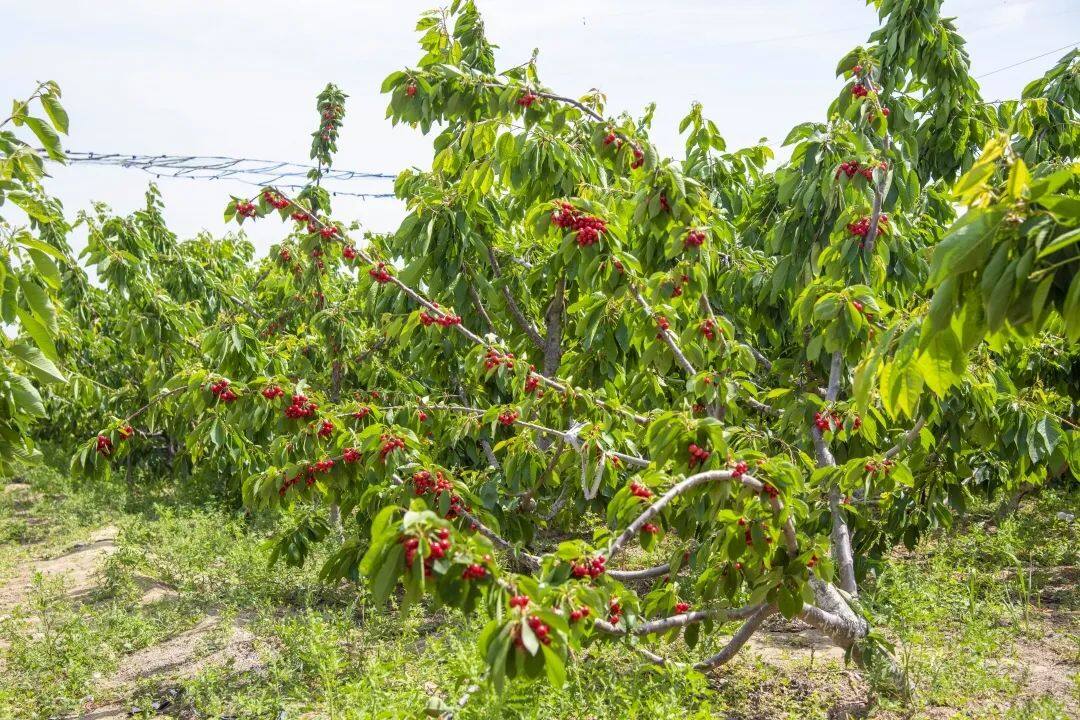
(525, 307)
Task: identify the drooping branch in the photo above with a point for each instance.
(681, 620)
(686, 485)
(563, 387)
(740, 638)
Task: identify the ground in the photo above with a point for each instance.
(113, 606)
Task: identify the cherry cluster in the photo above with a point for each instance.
(852, 167)
(859, 90)
(424, 484)
(508, 417)
(390, 443)
(828, 420)
(492, 360)
(474, 571)
(710, 330)
(694, 238)
(285, 256)
(698, 455)
(770, 490)
(885, 467)
(639, 490)
(650, 528)
(662, 322)
(348, 252)
(410, 89)
(739, 470)
(300, 216)
(677, 286)
(610, 138)
(221, 389)
(588, 228)
(614, 611)
(272, 391)
(362, 412)
(126, 431)
(104, 445)
(681, 607)
(593, 567)
(540, 629)
(350, 455)
(443, 318)
(861, 227)
(519, 601)
(326, 429)
(300, 407)
(639, 158)
(330, 121)
(380, 273)
(328, 232)
(812, 561)
(532, 382)
(578, 614)
(275, 200)
(664, 205)
(528, 99)
(245, 209)
(308, 476)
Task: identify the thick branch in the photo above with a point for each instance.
(737, 640)
(685, 486)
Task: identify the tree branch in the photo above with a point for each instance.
(522, 321)
(741, 636)
(667, 336)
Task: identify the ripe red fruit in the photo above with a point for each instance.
(681, 607)
(639, 490)
(609, 138)
(245, 209)
(126, 431)
(859, 90)
(410, 89)
(474, 572)
(350, 455)
(650, 529)
(639, 159)
(527, 100)
(328, 232)
(348, 252)
(508, 417)
(326, 429)
(662, 322)
(104, 445)
(519, 601)
(380, 273)
(698, 456)
(857, 305)
(857, 69)
(885, 111)
(694, 238)
(740, 469)
(272, 391)
(422, 416)
(362, 412)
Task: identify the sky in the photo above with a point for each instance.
(239, 78)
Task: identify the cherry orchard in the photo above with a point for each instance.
(568, 326)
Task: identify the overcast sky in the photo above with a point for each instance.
(239, 78)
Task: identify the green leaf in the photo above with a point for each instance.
(942, 362)
(386, 579)
(42, 367)
(1070, 310)
(965, 246)
(48, 137)
(554, 667)
(56, 112)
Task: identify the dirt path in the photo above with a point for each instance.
(76, 568)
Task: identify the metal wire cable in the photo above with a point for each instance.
(250, 171)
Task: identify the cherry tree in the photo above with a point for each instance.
(595, 393)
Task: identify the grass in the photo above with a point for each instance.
(960, 606)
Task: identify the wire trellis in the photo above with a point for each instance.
(250, 171)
